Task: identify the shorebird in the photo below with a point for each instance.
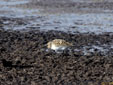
(58, 44)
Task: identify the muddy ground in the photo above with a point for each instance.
(25, 60)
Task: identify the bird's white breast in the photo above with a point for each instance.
(54, 47)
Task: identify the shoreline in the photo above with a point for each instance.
(26, 27)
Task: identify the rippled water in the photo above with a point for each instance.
(68, 22)
(83, 23)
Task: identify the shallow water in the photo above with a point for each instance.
(103, 50)
(96, 23)
(68, 22)
(83, 23)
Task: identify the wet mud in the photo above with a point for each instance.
(27, 26)
(25, 60)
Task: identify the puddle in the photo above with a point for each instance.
(93, 49)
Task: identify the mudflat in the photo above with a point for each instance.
(25, 59)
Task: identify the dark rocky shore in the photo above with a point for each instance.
(25, 60)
